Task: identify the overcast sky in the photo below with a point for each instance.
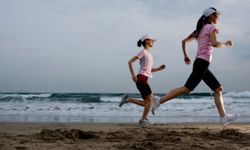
(84, 45)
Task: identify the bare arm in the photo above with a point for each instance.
(218, 44)
(184, 48)
(159, 68)
(131, 68)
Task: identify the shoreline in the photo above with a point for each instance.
(116, 136)
(116, 119)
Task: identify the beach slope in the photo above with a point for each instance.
(75, 136)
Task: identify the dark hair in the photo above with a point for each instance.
(200, 24)
(141, 43)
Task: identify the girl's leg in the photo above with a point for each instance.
(200, 67)
(218, 99)
(148, 104)
(136, 101)
(214, 84)
(225, 119)
(174, 93)
(170, 95)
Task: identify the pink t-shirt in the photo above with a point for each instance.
(205, 48)
(146, 63)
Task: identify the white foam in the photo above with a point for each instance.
(25, 96)
(245, 94)
(110, 99)
(203, 106)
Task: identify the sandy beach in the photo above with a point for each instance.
(76, 136)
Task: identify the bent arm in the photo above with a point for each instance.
(184, 47)
(216, 43)
(155, 69)
(159, 68)
(184, 43)
(130, 64)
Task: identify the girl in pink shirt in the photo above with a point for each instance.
(141, 79)
(206, 36)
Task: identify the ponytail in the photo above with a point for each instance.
(141, 43)
(200, 24)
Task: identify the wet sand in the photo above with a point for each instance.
(83, 136)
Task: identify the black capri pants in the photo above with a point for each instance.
(201, 72)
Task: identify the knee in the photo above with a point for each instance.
(219, 89)
(149, 99)
(187, 90)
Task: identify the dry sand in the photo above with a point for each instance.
(100, 136)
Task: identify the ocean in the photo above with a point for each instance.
(103, 108)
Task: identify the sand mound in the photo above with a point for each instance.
(74, 134)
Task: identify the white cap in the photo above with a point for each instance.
(208, 11)
(146, 36)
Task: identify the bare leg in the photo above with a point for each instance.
(174, 93)
(218, 99)
(148, 104)
(137, 102)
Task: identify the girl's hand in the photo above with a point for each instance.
(162, 67)
(187, 60)
(228, 43)
(134, 78)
